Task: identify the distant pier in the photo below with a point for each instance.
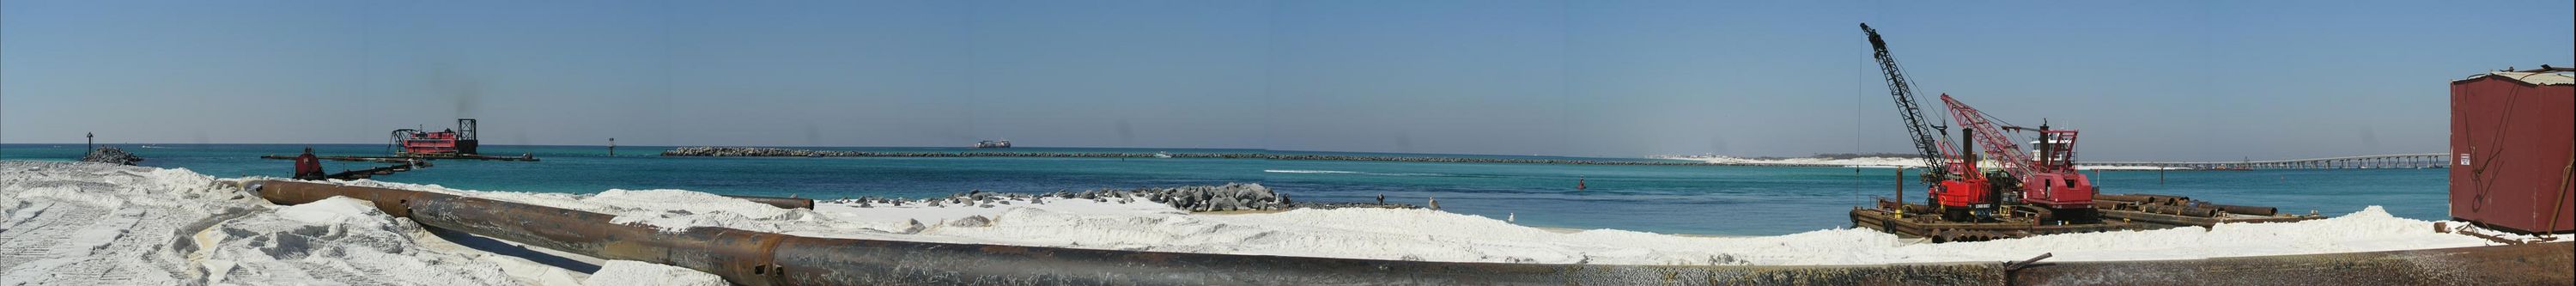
(2394, 161)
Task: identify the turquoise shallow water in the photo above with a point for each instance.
(1721, 200)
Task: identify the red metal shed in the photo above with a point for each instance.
(2511, 135)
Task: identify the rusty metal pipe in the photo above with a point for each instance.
(728, 253)
(2179, 210)
(2247, 210)
(2121, 198)
(2162, 199)
(391, 201)
(780, 202)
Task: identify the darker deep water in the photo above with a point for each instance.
(1722, 200)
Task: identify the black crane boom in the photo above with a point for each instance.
(1903, 91)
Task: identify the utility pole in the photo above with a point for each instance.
(1900, 189)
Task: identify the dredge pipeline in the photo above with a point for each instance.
(758, 258)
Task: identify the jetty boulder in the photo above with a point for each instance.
(1228, 197)
(111, 155)
(971, 221)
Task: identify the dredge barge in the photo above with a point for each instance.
(458, 143)
(1982, 186)
(416, 148)
(2111, 213)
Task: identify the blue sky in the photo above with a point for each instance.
(2165, 80)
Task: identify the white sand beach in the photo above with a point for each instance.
(79, 223)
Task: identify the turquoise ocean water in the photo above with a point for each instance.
(1717, 200)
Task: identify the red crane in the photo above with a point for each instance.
(2043, 185)
(2046, 179)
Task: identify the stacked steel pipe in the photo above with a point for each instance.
(2176, 205)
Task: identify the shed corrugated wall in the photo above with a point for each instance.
(2510, 146)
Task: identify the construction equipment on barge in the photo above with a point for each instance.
(2004, 192)
(457, 143)
(417, 148)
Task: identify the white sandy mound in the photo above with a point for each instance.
(66, 223)
(1439, 236)
(339, 239)
(636, 273)
(98, 224)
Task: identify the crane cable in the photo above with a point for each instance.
(2478, 173)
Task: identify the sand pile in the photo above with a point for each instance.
(68, 223)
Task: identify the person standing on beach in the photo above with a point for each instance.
(308, 167)
(1381, 199)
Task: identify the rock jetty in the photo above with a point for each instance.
(783, 152)
(111, 155)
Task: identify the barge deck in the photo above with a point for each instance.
(2116, 212)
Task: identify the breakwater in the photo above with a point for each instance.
(111, 155)
(1228, 197)
(784, 152)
